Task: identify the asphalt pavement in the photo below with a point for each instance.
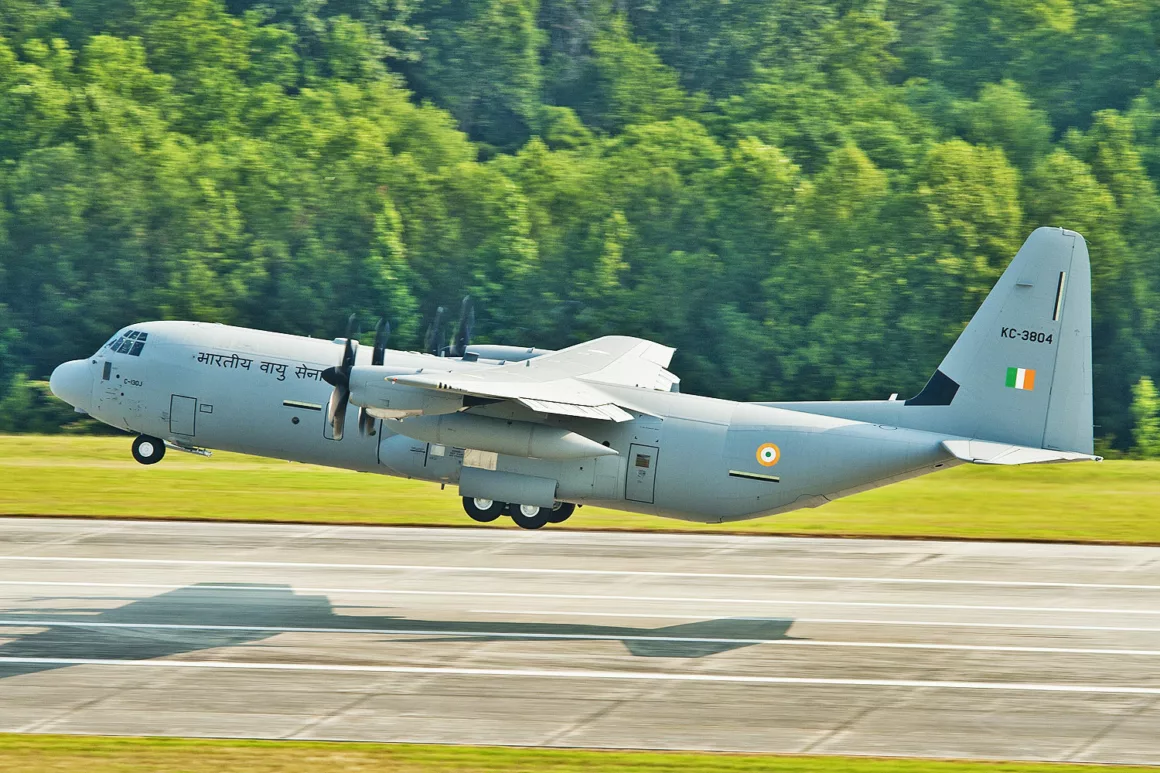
(581, 639)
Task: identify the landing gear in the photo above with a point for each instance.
(561, 512)
(529, 516)
(483, 510)
(524, 516)
(148, 450)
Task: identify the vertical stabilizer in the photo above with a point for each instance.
(1021, 372)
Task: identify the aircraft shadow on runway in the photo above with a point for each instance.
(235, 614)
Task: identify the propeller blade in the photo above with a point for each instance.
(339, 378)
(433, 341)
(382, 333)
(463, 329)
(366, 422)
(336, 413)
(348, 355)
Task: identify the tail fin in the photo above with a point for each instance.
(1021, 372)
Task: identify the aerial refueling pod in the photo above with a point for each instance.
(514, 438)
(507, 487)
(384, 399)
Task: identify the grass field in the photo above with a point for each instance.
(66, 754)
(95, 476)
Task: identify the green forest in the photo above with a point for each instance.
(808, 199)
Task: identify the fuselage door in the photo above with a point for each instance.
(642, 469)
(106, 391)
(183, 415)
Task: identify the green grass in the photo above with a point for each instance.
(65, 754)
(95, 476)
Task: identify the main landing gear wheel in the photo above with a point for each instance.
(529, 516)
(561, 512)
(483, 510)
(148, 450)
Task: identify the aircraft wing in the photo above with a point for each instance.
(985, 452)
(566, 382)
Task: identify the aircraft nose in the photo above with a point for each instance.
(73, 383)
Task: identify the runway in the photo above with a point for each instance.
(581, 639)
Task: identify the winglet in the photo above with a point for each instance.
(983, 452)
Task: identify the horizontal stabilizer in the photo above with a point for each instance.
(984, 452)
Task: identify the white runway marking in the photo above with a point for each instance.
(581, 674)
(603, 597)
(18, 623)
(833, 620)
(590, 572)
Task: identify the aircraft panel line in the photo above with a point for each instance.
(585, 674)
(612, 597)
(590, 572)
(17, 623)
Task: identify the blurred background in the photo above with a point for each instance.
(808, 199)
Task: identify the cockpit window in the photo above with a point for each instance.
(131, 342)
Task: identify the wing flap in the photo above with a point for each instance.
(606, 412)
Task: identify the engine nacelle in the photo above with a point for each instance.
(386, 400)
(506, 353)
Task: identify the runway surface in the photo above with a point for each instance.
(553, 638)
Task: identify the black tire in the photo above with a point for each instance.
(483, 510)
(148, 450)
(561, 512)
(525, 520)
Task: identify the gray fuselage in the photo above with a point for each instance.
(681, 456)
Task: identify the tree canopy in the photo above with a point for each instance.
(807, 198)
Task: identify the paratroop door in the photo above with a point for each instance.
(641, 478)
(183, 415)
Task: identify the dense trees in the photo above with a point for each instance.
(807, 198)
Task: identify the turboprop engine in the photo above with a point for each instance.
(385, 399)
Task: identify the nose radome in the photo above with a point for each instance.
(73, 383)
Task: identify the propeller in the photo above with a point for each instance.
(339, 378)
(463, 329)
(366, 422)
(433, 341)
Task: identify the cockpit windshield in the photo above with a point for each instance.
(129, 342)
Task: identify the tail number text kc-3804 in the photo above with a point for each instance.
(1026, 335)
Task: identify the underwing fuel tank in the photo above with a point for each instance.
(514, 438)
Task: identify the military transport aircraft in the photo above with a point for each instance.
(532, 433)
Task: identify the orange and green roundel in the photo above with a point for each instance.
(1021, 378)
(768, 454)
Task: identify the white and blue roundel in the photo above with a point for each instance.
(768, 455)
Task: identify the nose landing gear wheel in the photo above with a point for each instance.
(529, 516)
(148, 450)
(561, 512)
(483, 510)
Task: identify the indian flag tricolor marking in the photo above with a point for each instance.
(1021, 378)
